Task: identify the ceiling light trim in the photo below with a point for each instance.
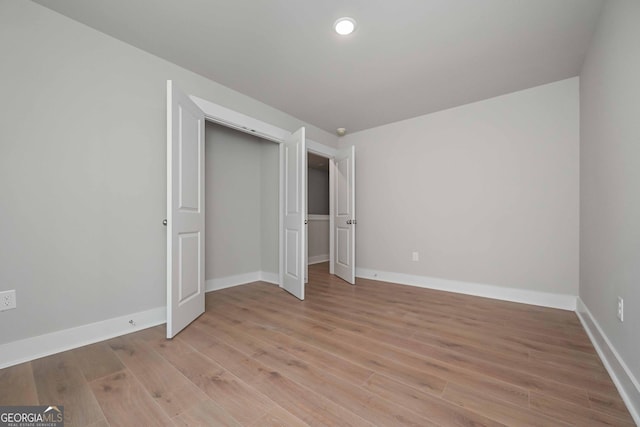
(345, 26)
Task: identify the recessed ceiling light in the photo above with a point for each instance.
(345, 26)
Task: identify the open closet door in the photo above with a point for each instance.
(185, 211)
(295, 206)
(345, 215)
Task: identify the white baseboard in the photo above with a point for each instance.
(627, 385)
(317, 259)
(231, 281)
(544, 299)
(241, 279)
(16, 352)
(273, 278)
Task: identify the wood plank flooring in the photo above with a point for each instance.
(373, 354)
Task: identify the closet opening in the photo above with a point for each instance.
(187, 120)
(242, 173)
(318, 208)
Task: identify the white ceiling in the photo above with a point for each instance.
(406, 58)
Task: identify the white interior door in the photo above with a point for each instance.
(345, 215)
(306, 222)
(295, 212)
(185, 210)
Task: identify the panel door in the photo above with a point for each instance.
(295, 207)
(345, 215)
(185, 210)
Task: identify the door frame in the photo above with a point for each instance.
(232, 119)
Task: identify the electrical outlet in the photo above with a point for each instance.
(620, 309)
(415, 256)
(7, 300)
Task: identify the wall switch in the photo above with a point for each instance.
(415, 256)
(620, 309)
(7, 300)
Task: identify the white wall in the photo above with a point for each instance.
(610, 185)
(487, 193)
(83, 170)
(241, 189)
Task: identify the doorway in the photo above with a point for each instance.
(318, 208)
(185, 221)
(241, 208)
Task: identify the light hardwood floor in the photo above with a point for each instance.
(371, 354)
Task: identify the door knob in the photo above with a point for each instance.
(306, 221)
(349, 222)
(164, 222)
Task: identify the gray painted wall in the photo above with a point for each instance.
(83, 170)
(486, 193)
(318, 204)
(318, 191)
(241, 203)
(610, 178)
(269, 210)
(318, 239)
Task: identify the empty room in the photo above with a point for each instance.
(340, 212)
